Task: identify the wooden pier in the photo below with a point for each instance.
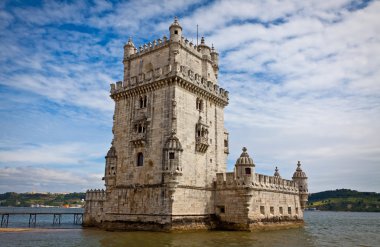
(77, 217)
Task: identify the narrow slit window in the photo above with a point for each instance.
(140, 159)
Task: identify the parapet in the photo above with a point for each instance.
(259, 182)
(95, 195)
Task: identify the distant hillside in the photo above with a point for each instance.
(345, 200)
(48, 199)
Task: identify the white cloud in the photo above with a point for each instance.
(27, 179)
(58, 154)
(303, 76)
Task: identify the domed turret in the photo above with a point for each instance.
(175, 31)
(299, 173)
(215, 60)
(204, 49)
(301, 179)
(172, 154)
(276, 173)
(129, 48)
(110, 169)
(244, 165)
(173, 143)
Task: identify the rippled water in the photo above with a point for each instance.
(322, 229)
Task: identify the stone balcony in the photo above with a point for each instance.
(201, 144)
(138, 139)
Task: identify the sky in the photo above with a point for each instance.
(303, 78)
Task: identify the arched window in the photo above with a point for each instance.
(140, 159)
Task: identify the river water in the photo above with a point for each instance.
(321, 229)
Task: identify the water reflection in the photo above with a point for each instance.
(322, 229)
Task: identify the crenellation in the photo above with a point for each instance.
(166, 167)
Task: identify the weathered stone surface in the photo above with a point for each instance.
(166, 168)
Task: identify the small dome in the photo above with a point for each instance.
(111, 153)
(276, 173)
(244, 158)
(299, 173)
(175, 24)
(173, 143)
(129, 43)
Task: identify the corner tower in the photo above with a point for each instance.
(300, 178)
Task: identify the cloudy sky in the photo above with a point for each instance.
(303, 78)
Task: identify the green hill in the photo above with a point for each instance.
(345, 200)
(48, 199)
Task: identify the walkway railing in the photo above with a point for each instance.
(77, 217)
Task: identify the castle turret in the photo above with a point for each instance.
(244, 167)
(215, 60)
(301, 179)
(204, 49)
(175, 31)
(110, 170)
(129, 48)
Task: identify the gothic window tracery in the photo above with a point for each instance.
(201, 136)
(143, 100)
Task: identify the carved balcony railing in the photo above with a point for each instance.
(201, 144)
(138, 139)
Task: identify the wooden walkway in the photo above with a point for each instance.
(78, 218)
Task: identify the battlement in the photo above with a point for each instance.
(258, 182)
(166, 72)
(95, 195)
(159, 43)
(148, 47)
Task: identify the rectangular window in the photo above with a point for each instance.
(220, 209)
(272, 210)
(225, 143)
(281, 210)
(289, 210)
(171, 155)
(248, 171)
(296, 210)
(140, 159)
(262, 210)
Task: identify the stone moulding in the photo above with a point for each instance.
(177, 80)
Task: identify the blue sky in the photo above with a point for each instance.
(303, 78)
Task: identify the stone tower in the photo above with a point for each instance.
(169, 137)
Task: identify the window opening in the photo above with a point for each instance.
(248, 170)
(171, 155)
(272, 210)
(262, 210)
(140, 159)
